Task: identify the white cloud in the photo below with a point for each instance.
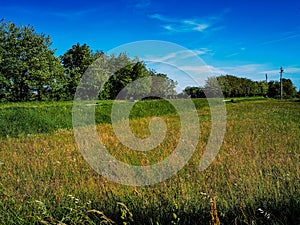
(284, 36)
(192, 24)
(207, 70)
(244, 69)
(161, 18)
(179, 55)
(182, 25)
(233, 54)
(201, 27)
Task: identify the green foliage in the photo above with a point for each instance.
(194, 92)
(28, 68)
(233, 87)
(30, 71)
(288, 89)
(212, 88)
(241, 87)
(162, 86)
(75, 61)
(134, 81)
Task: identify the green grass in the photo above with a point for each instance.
(254, 179)
(44, 117)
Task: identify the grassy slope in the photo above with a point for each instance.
(43, 117)
(255, 177)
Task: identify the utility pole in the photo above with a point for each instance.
(266, 78)
(281, 71)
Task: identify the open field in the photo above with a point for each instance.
(254, 179)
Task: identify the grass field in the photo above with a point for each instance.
(255, 179)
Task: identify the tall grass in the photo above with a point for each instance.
(254, 179)
(43, 117)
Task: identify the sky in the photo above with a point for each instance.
(242, 38)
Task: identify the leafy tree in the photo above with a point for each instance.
(262, 88)
(124, 76)
(288, 89)
(136, 81)
(194, 92)
(273, 89)
(28, 67)
(118, 73)
(76, 61)
(212, 88)
(118, 81)
(162, 86)
(224, 82)
(239, 87)
(136, 90)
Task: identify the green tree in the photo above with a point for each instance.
(225, 85)
(239, 87)
(212, 88)
(28, 67)
(273, 89)
(162, 86)
(125, 75)
(289, 90)
(76, 61)
(194, 92)
(138, 89)
(262, 88)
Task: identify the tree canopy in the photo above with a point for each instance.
(28, 67)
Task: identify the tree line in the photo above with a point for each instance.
(29, 70)
(232, 86)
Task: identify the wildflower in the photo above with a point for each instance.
(264, 213)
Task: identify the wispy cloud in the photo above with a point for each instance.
(184, 66)
(191, 72)
(241, 49)
(161, 18)
(207, 70)
(280, 39)
(139, 4)
(192, 24)
(253, 70)
(180, 55)
(285, 36)
(288, 70)
(232, 55)
(185, 24)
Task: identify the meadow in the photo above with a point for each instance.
(255, 179)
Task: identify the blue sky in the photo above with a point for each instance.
(242, 38)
